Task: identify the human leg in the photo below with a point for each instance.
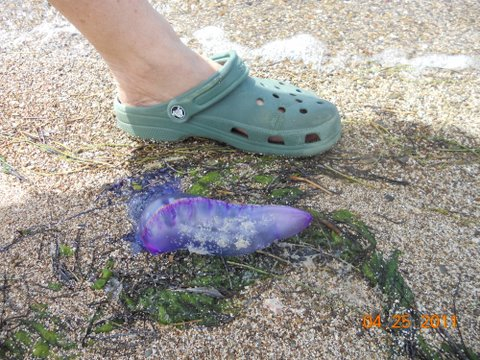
(149, 62)
(168, 92)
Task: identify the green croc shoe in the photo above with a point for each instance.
(251, 114)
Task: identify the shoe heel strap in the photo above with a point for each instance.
(211, 91)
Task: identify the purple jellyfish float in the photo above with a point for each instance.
(214, 227)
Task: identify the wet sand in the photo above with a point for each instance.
(405, 78)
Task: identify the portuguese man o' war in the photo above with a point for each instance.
(214, 227)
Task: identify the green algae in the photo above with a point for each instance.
(41, 349)
(204, 185)
(198, 189)
(287, 195)
(107, 327)
(211, 177)
(204, 297)
(55, 286)
(66, 250)
(41, 335)
(105, 275)
(263, 179)
(51, 337)
(23, 337)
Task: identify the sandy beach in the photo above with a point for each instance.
(405, 77)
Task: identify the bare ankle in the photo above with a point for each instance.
(144, 84)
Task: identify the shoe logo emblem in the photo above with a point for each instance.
(178, 112)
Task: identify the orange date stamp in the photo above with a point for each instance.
(405, 321)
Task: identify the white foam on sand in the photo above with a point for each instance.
(394, 57)
(214, 40)
(41, 35)
(310, 50)
(49, 31)
(301, 47)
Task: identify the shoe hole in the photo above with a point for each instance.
(293, 94)
(277, 87)
(262, 84)
(298, 100)
(276, 96)
(276, 140)
(311, 138)
(319, 102)
(281, 109)
(298, 90)
(303, 111)
(240, 131)
(281, 83)
(260, 102)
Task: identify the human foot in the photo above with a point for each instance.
(144, 84)
(255, 115)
